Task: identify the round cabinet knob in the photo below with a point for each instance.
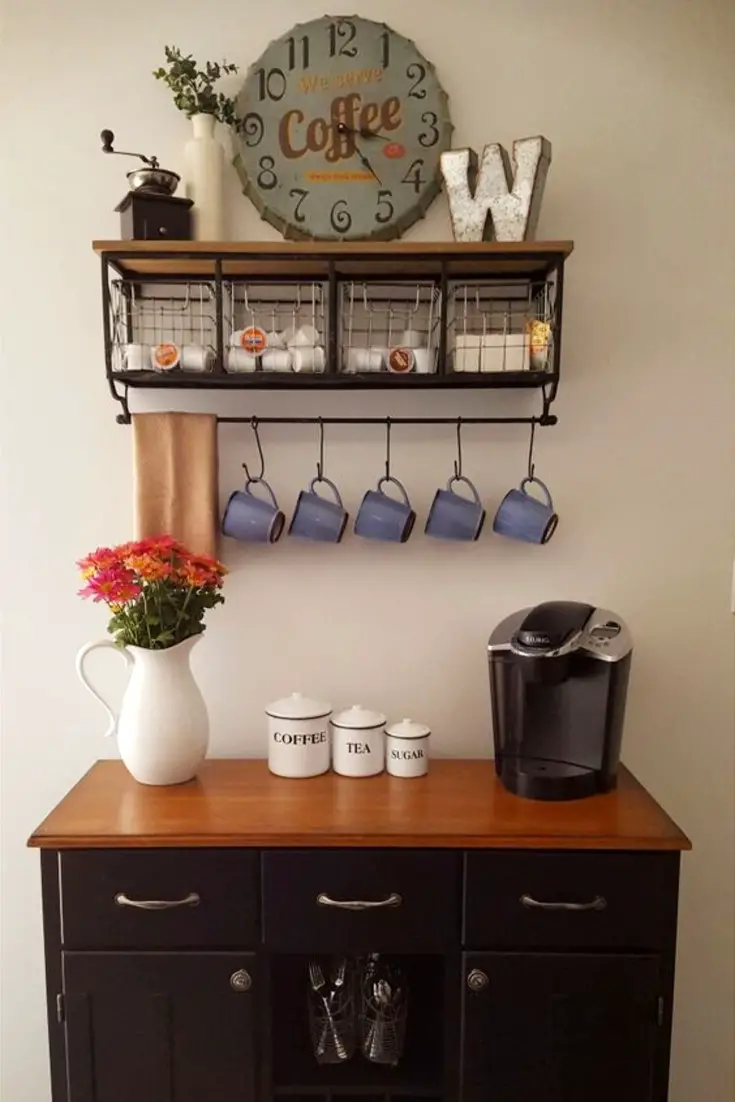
(477, 980)
(241, 980)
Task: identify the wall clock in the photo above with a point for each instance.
(344, 122)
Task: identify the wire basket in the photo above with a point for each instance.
(163, 327)
(391, 327)
(332, 1013)
(501, 327)
(383, 1015)
(274, 327)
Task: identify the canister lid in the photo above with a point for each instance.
(408, 728)
(358, 718)
(297, 706)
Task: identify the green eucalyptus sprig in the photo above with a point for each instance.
(193, 88)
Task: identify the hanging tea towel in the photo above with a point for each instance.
(175, 456)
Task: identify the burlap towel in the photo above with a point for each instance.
(175, 457)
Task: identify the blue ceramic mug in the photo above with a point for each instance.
(453, 516)
(316, 517)
(381, 517)
(252, 518)
(522, 516)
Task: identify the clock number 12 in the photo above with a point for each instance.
(342, 29)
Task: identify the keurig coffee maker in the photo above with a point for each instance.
(558, 683)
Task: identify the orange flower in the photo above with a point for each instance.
(149, 568)
(104, 558)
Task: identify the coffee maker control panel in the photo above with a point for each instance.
(606, 636)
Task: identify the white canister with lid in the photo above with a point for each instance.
(407, 748)
(358, 742)
(298, 736)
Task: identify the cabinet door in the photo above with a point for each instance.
(559, 1027)
(159, 1027)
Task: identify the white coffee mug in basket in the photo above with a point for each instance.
(298, 736)
(358, 742)
(407, 748)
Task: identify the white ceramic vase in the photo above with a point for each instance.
(204, 164)
(163, 726)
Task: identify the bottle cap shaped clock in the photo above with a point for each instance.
(344, 122)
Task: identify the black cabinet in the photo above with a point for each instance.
(182, 975)
(160, 1027)
(560, 1027)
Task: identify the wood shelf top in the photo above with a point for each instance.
(312, 259)
(460, 804)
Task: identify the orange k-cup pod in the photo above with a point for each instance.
(253, 339)
(165, 356)
(401, 360)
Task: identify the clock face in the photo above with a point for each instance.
(343, 125)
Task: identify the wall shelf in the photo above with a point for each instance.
(471, 305)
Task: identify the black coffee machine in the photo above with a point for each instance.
(558, 683)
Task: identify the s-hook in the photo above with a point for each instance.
(387, 449)
(250, 478)
(458, 460)
(531, 464)
(320, 461)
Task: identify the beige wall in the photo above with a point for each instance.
(637, 99)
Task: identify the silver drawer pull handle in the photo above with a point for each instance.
(393, 900)
(191, 900)
(597, 904)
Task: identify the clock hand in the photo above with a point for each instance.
(364, 161)
(343, 128)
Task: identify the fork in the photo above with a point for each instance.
(318, 983)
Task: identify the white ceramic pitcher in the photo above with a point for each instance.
(163, 726)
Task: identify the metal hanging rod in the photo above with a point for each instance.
(548, 419)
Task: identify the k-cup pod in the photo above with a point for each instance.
(165, 357)
(135, 357)
(424, 358)
(237, 359)
(274, 340)
(287, 335)
(307, 359)
(411, 338)
(197, 357)
(306, 336)
(365, 359)
(253, 339)
(401, 360)
(276, 359)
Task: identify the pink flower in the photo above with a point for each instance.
(114, 586)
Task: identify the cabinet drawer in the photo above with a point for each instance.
(518, 899)
(186, 899)
(360, 900)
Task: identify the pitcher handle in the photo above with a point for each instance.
(112, 729)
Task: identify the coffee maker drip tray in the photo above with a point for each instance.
(540, 779)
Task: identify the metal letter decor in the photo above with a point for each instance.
(490, 198)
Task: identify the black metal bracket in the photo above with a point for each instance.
(123, 418)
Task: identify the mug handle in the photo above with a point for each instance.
(394, 482)
(332, 487)
(463, 478)
(544, 487)
(112, 728)
(261, 482)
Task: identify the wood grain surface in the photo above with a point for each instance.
(460, 804)
(312, 258)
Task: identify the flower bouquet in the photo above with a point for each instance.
(158, 593)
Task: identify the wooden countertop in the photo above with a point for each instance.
(460, 804)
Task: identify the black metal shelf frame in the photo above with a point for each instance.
(120, 382)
